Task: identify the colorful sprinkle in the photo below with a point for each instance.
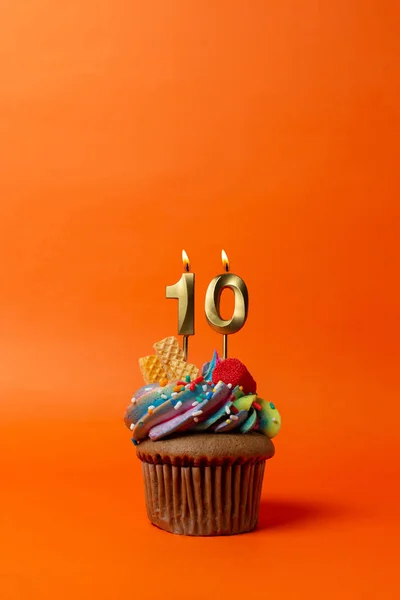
(199, 379)
(163, 382)
(181, 383)
(197, 413)
(196, 420)
(150, 410)
(234, 410)
(209, 395)
(132, 426)
(133, 400)
(195, 403)
(135, 443)
(192, 387)
(204, 388)
(227, 421)
(241, 388)
(178, 388)
(227, 410)
(187, 378)
(178, 405)
(147, 389)
(256, 406)
(274, 420)
(229, 385)
(164, 396)
(141, 423)
(234, 417)
(174, 394)
(272, 405)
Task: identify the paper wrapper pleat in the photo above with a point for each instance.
(204, 500)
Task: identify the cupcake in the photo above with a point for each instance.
(203, 438)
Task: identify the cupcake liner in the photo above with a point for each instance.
(204, 500)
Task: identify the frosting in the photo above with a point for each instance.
(161, 410)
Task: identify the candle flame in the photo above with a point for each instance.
(186, 261)
(225, 261)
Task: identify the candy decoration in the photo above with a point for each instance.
(233, 371)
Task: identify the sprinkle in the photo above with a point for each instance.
(203, 396)
(197, 413)
(209, 395)
(141, 423)
(133, 400)
(227, 421)
(174, 394)
(204, 388)
(151, 409)
(234, 417)
(256, 406)
(196, 420)
(199, 379)
(132, 426)
(163, 382)
(147, 389)
(274, 420)
(241, 388)
(234, 410)
(192, 387)
(164, 396)
(195, 403)
(187, 378)
(229, 385)
(135, 443)
(187, 386)
(272, 405)
(209, 382)
(181, 383)
(178, 388)
(227, 410)
(178, 405)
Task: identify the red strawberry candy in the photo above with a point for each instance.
(231, 370)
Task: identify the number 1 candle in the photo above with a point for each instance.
(183, 291)
(213, 298)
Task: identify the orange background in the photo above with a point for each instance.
(128, 131)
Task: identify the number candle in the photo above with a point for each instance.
(212, 305)
(183, 291)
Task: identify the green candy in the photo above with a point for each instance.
(270, 419)
(244, 402)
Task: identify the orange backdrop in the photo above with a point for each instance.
(131, 130)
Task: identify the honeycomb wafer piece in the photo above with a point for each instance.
(178, 369)
(152, 369)
(168, 349)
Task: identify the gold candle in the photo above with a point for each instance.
(213, 298)
(183, 291)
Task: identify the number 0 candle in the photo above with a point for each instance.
(213, 298)
(183, 291)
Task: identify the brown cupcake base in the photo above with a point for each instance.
(204, 500)
(195, 494)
